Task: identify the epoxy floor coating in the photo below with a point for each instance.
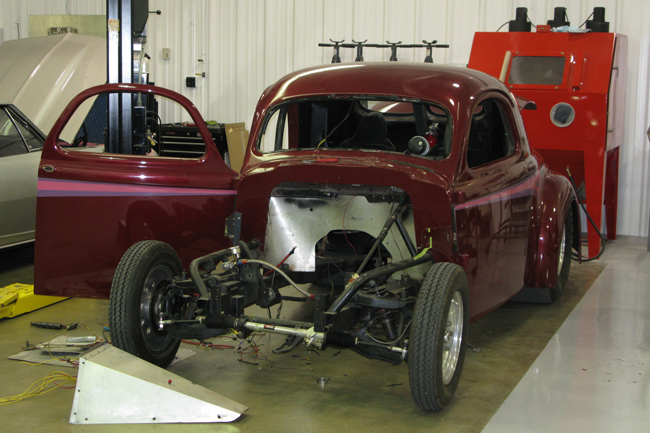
(594, 375)
(283, 393)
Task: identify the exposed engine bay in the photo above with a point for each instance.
(363, 285)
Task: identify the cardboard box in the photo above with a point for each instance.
(237, 139)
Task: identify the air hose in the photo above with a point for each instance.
(603, 240)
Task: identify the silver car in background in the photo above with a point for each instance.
(20, 152)
(40, 76)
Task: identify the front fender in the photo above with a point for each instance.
(550, 207)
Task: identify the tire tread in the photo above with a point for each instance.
(123, 326)
(429, 311)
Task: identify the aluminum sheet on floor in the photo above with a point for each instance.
(114, 387)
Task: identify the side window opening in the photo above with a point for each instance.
(31, 141)
(161, 128)
(11, 142)
(273, 141)
(490, 135)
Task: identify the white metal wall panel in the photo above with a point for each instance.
(368, 23)
(221, 74)
(337, 25)
(398, 25)
(309, 24)
(432, 24)
(250, 35)
(246, 45)
(278, 38)
(634, 202)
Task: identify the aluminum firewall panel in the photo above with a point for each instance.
(302, 222)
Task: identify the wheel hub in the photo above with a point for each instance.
(452, 338)
(151, 304)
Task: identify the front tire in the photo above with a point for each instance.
(438, 336)
(143, 274)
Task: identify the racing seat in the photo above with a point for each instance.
(371, 133)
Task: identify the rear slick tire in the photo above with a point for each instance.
(141, 277)
(438, 336)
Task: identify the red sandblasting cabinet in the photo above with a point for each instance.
(577, 81)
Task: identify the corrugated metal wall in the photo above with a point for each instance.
(245, 45)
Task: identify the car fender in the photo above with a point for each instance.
(550, 206)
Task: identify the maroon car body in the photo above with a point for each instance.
(501, 221)
(498, 214)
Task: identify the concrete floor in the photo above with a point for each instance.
(281, 391)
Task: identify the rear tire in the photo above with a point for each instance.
(141, 277)
(438, 336)
(564, 257)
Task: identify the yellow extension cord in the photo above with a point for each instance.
(54, 380)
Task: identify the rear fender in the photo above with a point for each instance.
(550, 207)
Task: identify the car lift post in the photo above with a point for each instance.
(125, 19)
(120, 70)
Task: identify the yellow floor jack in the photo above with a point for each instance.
(17, 299)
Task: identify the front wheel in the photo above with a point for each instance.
(141, 279)
(438, 336)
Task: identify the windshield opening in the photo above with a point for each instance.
(416, 128)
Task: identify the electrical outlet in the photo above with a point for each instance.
(190, 81)
(166, 53)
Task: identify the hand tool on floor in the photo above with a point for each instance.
(51, 325)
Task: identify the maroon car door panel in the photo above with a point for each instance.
(92, 206)
(493, 212)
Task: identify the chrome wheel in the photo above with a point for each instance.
(565, 238)
(453, 338)
(560, 262)
(437, 336)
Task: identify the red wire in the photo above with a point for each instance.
(293, 250)
(211, 346)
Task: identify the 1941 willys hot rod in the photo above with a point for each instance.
(401, 200)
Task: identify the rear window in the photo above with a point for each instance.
(358, 124)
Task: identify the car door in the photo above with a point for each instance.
(20, 143)
(93, 204)
(493, 204)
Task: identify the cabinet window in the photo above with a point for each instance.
(543, 70)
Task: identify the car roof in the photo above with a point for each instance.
(423, 81)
